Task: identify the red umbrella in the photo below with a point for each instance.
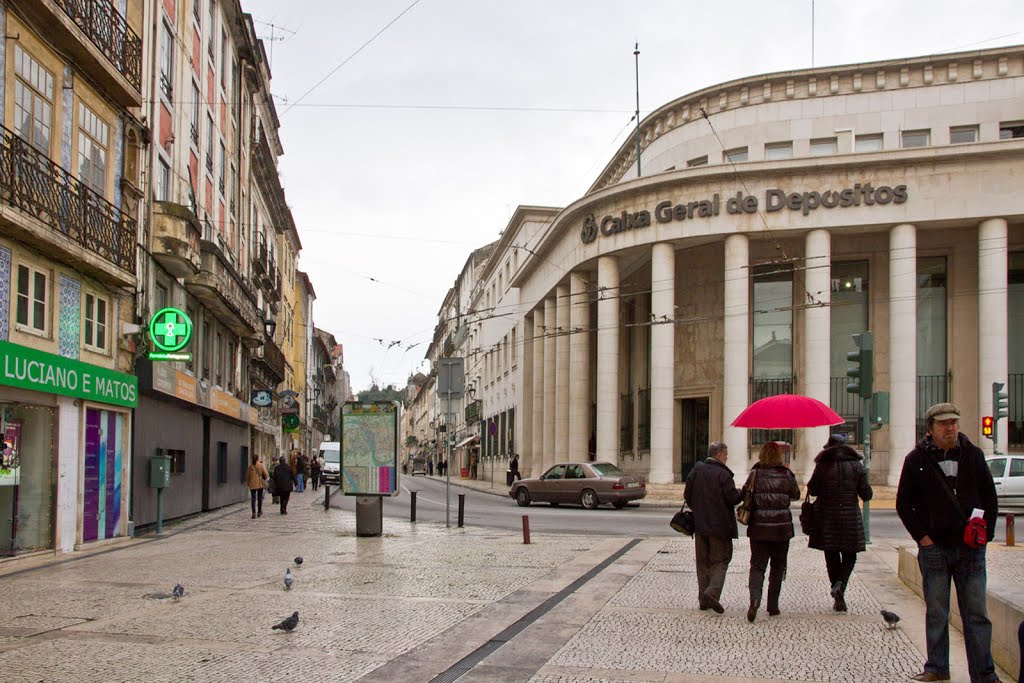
(787, 411)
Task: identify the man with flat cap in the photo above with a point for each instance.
(945, 480)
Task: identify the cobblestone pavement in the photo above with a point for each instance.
(410, 604)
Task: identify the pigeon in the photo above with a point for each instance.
(298, 560)
(178, 591)
(289, 579)
(288, 624)
(890, 619)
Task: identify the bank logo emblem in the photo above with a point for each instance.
(589, 232)
(170, 330)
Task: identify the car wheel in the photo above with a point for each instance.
(619, 504)
(589, 499)
(522, 497)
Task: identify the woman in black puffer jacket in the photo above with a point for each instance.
(839, 478)
(771, 525)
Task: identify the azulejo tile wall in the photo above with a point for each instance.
(69, 317)
(5, 273)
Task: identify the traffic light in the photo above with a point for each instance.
(1000, 401)
(861, 370)
(986, 426)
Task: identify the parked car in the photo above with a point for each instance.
(419, 466)
(588, 483)
(330, 451)
(1008, 474)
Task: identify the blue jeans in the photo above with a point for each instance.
(299, 486)
(966, 568)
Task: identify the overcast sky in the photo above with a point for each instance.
(418, 148)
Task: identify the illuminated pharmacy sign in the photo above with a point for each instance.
(170, 330)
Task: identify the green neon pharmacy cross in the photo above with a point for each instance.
(170, 329)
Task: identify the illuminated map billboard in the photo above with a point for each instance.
(369, 448)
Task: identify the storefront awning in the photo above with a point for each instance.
(467, 440)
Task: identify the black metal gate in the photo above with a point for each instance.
(696, 418)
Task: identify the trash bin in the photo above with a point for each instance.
(508, 477)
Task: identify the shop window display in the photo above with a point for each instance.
(27, 478)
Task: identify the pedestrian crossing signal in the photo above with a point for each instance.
(986, 426)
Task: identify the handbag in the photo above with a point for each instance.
(746, 508)
(683, 521)
(808, 523)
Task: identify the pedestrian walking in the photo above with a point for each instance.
(430, 467)
(255, 477)
(305, 467)
(773, 488)
(838, 479)
(296, 465)
(712, 494)
(284, 479)
(314, 472)
(513, 466)
(944, 481)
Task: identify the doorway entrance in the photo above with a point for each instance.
(694, 442)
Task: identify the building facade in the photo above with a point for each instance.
(777, 216)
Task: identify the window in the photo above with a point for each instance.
(932, 366)
(218, 361)
(915, 138)
(821, 147)
(223, 165)
(736, 155)
(961, 134)
(195, 12)
(849, 308)
(196, 105)
(699, 161)
(211, 140)
(574, 472)
(515, 353)
(224, 59)
(33, 100)
(166, 62)
(778, 150)
(243, 461)
(160, 296)
(212, 31)
(190, 363)
(95, 328)
(868, 143)
(163, 181)
(222, 462)
(1010, 130)
(1016, 467)
(207, 350)
(997, 466)
(93, 137)
(33, 302)
(773, 321)
(231, 366)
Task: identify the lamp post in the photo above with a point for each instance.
(269, 325)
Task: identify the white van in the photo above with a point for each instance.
(330, 451)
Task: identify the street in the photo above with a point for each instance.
(501, 512)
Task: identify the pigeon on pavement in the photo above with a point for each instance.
(891, 619)
(289, 579)
(298, 560)
(288, 624)
(178, 591)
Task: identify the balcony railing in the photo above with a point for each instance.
(270, 356)
(762, 387)
(109, 32)
(626, 421)
(643, 421)
(31, 182)
(931, 389)
(1015, 424)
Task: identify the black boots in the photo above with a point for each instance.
(838, 593)
(773, 600)
(755, 603)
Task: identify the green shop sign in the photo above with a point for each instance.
(26, 368)
(170, 329)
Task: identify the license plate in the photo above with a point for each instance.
(633, 485)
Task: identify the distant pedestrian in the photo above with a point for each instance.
(712, 494)
(944, 480)
(314, 472)
(296, 465)
(513, 466)
(430, 467)
(255, 477)
(839, 478)
(442, 467)
(284, 479)
(771, 525)
(306, 469)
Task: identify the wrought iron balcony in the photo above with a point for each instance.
(32, 183)
(269, 356)
(109, 32)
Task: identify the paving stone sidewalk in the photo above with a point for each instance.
(410, 604)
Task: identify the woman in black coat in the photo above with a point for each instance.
(284, 480)
(771, 525)
(839, 478)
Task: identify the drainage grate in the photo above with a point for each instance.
(464, 665)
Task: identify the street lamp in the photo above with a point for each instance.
(269, 325)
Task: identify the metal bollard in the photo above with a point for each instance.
(327, 496)
(412, 506)
(526, 529)
(462, 508)
(1010, 535)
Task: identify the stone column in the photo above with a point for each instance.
(663, 335)
(526, 412)
(579, 369)
(561, 451)
(902, 347)
(992, 322)
(549, 383)
(536, 332)
(736, 328)
(817, 340)
(608, 359)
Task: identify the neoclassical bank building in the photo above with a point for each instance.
(770, 219)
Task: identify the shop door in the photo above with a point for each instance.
(101, 500)
(27, 464)
(694, 434)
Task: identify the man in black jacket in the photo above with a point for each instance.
(712, 494)
(945, 478)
